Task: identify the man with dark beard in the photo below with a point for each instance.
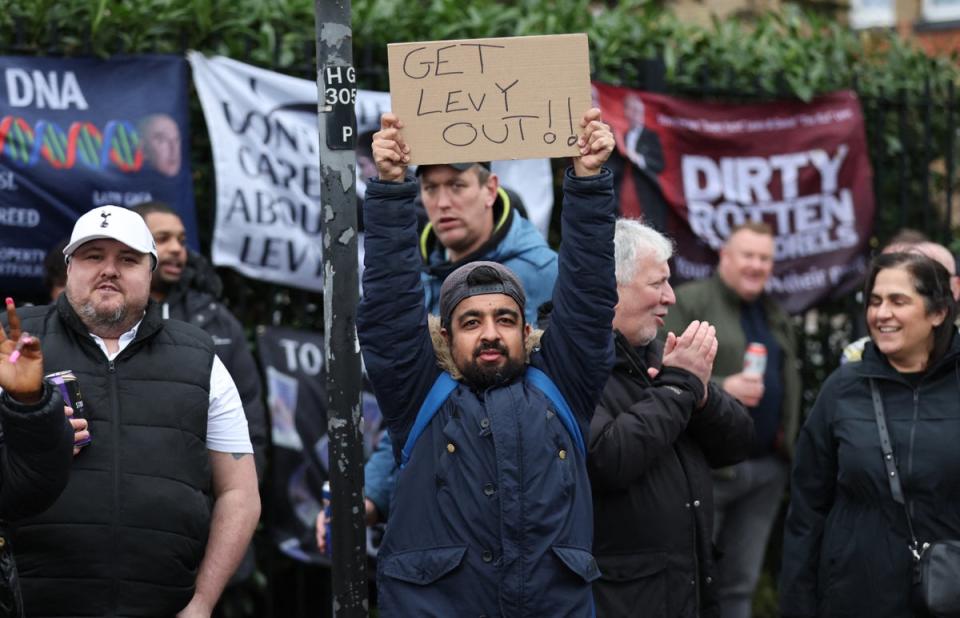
(133, 533)
(492, 514)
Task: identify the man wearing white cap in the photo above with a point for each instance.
(133, 533)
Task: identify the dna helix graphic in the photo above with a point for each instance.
(24, 145)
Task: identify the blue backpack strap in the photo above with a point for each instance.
(439, 392)
(543, 382)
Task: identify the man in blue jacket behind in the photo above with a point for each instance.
(493, 514)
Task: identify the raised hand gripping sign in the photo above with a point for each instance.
(490, 99)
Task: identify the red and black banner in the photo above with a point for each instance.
(696, 170)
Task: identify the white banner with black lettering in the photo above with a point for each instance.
(263, 131)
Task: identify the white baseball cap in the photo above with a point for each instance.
(116, 223)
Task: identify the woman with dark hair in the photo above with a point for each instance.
(846, 549)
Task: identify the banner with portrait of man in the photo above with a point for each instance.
(698, 169)
(293, 362)
(77, 133)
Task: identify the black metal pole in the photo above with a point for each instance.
(336, 85)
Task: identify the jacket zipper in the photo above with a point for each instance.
(913, 432)
(115, 438)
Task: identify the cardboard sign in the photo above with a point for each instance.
(490, 99)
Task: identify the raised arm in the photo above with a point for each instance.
(37, 443)
(578, 346)
(392, 319)
(36, 440)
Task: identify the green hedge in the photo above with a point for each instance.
(790, 52)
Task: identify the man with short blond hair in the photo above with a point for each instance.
(471, 217)
(747, 496)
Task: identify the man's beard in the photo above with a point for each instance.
(102, 320)
(483, 377)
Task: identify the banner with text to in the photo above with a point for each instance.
(703, 168)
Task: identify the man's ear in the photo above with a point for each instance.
(527, 329)
(492, 185)
(445, 333)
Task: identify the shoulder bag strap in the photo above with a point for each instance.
(547, 386)
(890, 462)
(438, 394)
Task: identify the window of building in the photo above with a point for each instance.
(941, 10)
(875, 13)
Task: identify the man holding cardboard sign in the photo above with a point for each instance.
(493, 513)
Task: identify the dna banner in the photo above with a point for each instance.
(81, 133)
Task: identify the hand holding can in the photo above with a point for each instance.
(755, 359)
(68, 385)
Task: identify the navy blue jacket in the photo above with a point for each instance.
(493, 514)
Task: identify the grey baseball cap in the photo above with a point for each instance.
(478, 278)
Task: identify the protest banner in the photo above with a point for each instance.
(263, 131)
(698, 169)
(80, 133)
(488, 99)
(293, 362)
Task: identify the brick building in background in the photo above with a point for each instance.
(933, 24)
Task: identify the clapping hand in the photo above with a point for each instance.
(694, 350)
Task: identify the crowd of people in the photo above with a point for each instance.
(566, 434)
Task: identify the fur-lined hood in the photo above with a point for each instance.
(445, 357)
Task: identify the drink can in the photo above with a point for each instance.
(755, 359)
(69, 388)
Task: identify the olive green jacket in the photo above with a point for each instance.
(710, 299)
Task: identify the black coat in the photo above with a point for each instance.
(36, 443)
(651, 451)
(845, 541)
